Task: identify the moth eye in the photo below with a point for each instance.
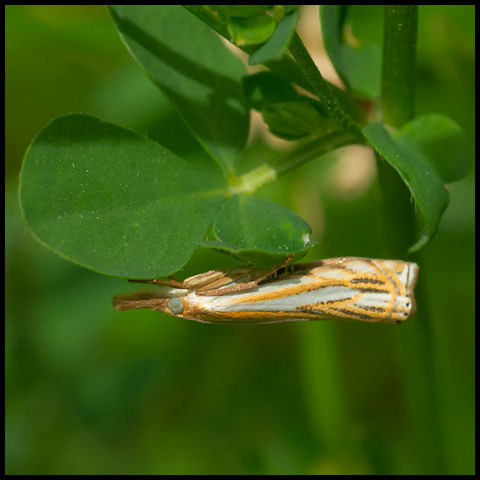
(175, 305)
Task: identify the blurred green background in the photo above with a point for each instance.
(90, 390)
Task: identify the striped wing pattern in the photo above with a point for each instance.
(349, 287)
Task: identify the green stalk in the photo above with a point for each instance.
(326, 401)
(304, 152)
(398, 69)
(320, 86)
(312, 149)
(329, 411)
(414, 339)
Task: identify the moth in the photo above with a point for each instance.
(355, 288)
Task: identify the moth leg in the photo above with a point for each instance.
(275, 269)
(239, 287)
(169, 283)
(202, 280)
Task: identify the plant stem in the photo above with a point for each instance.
(414, 340)
(326, 401)
(311, 150)
(257, 178)
(320, 87)
(398, 69)
(329, 412)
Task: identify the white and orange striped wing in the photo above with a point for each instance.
(354, 288)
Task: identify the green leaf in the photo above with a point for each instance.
(251, 30)
(358, 66)
(296, 119)
(416, 171)
(276, 47)
(265, 87)
(194, 69)
(258, 231)
(442, 142)
(113, 201)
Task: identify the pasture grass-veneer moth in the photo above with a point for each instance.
(365, 289)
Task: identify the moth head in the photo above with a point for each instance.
(176, 305)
